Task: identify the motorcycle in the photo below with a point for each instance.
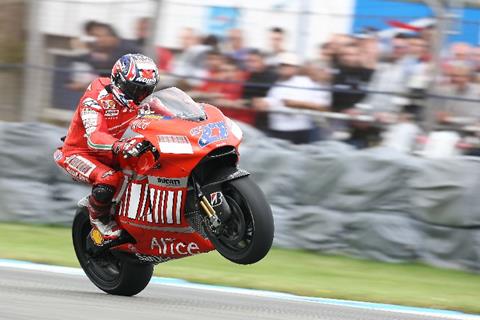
(185, 196)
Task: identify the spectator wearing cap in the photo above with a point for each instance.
(292, 91)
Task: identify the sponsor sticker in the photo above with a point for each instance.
(216, 199)
(92, 103)
(58, 155)
(108, 173)
(80, 165)
(89, 119)
(110, 113)
(152, 259)
(109, 104)
(210, 133)
(140, 124)
(171, 246)
(174, 144)
(102, 94)
(96, 237)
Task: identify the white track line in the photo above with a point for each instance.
(444, 314)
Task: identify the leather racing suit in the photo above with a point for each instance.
(99, 121)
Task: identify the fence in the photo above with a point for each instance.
(36, 73)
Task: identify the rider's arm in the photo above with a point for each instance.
(95, 125)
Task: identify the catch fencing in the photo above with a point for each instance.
(36, 71)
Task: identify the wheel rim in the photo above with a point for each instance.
(104, 268)
(237, 232)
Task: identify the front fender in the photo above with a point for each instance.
(223, 175)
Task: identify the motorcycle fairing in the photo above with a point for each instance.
(153, 206)
(152, 212)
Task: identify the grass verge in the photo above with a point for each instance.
(294, 271)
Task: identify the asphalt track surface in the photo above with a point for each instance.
(27, 294)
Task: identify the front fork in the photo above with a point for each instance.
(214, 218)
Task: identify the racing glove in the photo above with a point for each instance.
(133, 147)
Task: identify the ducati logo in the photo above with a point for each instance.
(216, 199)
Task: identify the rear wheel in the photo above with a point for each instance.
(246, 237)
(106, 271)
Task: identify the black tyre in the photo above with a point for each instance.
(107, 272)
(248, 234)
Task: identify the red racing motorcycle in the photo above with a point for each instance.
(184, 197)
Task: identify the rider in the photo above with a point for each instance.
(94, 137)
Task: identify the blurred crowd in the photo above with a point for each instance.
(363, 89)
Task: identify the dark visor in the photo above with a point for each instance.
(137, 92)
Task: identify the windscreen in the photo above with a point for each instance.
(173, 103)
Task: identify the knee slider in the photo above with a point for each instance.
(103, 193)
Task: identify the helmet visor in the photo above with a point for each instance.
(137, 92)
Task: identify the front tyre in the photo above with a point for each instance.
(246, 237)
(107, 272)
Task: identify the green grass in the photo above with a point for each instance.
(294, 271)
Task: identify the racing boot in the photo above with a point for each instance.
(100, 218)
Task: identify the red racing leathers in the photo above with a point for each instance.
(99, 121)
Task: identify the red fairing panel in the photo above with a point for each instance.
(152, 211)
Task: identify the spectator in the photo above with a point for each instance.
(325, 56)
(476, 63)
(368, 45)
(428, 34)
(460, 52)
(337, 43)
(224, 80)
(390, 76)
(287, 94)
(164, 56)
(190, 61)
(350, 75)
(277, 45)
(259, 77)
(212, 73)
(419, 68)
(235, 47)
(142, 32)
(83, 43)
(105, 50)
(402, 136)
(233, 78)
(448, 111)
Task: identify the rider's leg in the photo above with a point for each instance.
(105, 182)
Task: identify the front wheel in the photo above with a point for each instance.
(106, 271)
(246, 237)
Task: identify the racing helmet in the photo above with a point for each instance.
(134, 77)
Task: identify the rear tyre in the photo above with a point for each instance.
(107, 272)
(248, 234)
